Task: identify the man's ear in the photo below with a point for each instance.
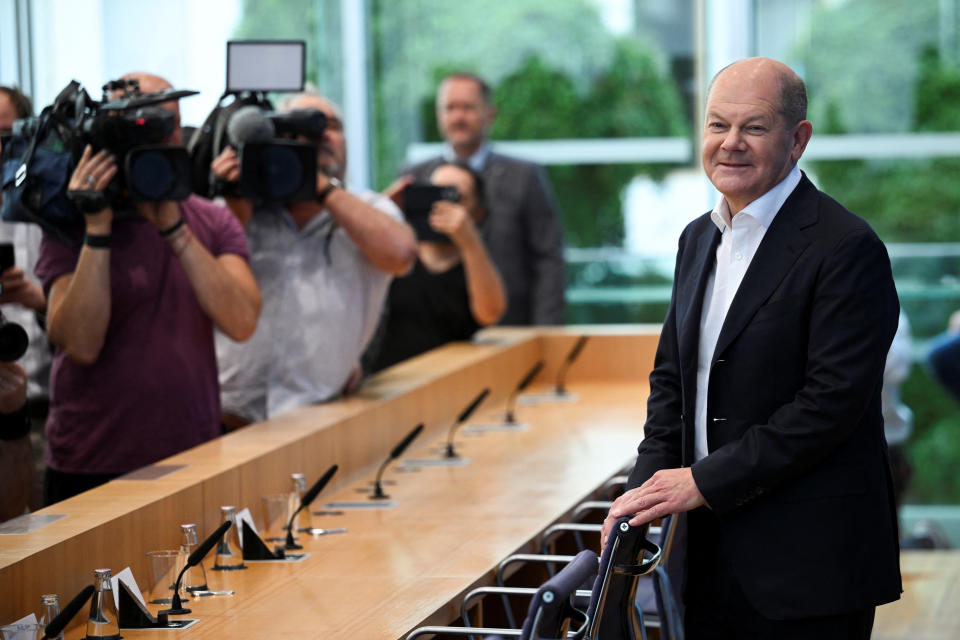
(801, 136)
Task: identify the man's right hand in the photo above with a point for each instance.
(226, 166)
(93, 173)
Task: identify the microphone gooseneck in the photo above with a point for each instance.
(176, 606)
(562, 374)
(397, 451)
(451, 452)
(62, 619)
(523, 384)
(305, 501)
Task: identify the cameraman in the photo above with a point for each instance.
(324, 267)
(131, 313)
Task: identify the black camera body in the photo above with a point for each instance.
(418, 200)
(274, 168)
(40, 156)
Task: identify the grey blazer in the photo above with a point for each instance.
(523, 234)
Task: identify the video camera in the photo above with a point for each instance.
(42, 152)
(418, 200)
(273, 168)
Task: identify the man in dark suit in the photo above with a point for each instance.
(522, 231)
(764, 419)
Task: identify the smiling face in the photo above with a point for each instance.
(748, 147)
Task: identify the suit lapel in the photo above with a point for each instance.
(782, 244)
(690, 294)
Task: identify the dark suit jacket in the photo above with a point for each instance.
(523, 235)
(797, 469)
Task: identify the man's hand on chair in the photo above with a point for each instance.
(667, 491)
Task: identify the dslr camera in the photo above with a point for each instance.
(274, 168)
(43, 151)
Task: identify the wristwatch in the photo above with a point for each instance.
(332, 183)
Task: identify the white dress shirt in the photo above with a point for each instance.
(739, 240)
(477, 161)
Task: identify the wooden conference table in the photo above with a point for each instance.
(395, 569)
(400, 568)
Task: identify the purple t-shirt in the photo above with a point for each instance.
(153, 390)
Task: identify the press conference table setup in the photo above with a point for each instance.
(445, 527)
(443, 530)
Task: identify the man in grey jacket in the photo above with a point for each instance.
(522, 231)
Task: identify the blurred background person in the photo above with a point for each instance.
(24, 303)
(944, 357)
(897, 417)
(454, 287)
(16, 461)
(523, 230)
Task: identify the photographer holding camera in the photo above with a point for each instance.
(454, 287)
(131, 314)
(324, 267)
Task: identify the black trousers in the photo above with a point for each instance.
(58, 485)
(717, 608)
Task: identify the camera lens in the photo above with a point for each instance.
(281, 172)
(158, 172)
(151, 175)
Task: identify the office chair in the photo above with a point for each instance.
(550, 613)
(612, 613)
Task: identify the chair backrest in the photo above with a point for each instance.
(627, 556)
(550, 610)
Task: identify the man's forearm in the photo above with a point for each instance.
(225, 288)
(488, 301)
(387, 243)
(79, 308)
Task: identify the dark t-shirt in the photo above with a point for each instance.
(153, 390)
(424, 311)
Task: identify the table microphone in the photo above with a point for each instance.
(398, 450)
(176, 607)
(305, 501)
(463, 418)
(527, 379)
(561, 376)
(62, 619)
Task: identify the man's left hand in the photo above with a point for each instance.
(163, 214)
(667, 491)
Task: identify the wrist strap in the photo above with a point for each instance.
(97, 241)
(172, 228)
(334, 183)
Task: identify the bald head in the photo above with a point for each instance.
(792, 94)
(150, 83)
(331, 148)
